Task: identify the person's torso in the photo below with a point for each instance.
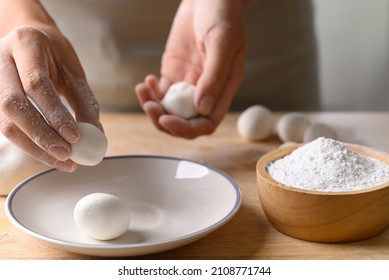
(119, 42)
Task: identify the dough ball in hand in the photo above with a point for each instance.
(101, 216)
(90, 149)
(255, 123)
(179, 100)
(317, 130)
(291, 127)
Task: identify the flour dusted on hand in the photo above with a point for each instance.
(328, 165)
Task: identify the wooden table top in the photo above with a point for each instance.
(248, 235)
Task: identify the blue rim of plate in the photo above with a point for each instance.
(209, 229)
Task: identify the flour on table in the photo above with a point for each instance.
(328, 165)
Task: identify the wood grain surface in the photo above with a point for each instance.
(249, 235)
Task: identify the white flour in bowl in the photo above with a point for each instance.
(330, 166)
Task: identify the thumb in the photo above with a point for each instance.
(219, 57)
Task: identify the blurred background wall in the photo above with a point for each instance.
(353, 41)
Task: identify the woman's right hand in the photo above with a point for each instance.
(206, 48)
(37, 65)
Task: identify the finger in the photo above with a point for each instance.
(152, 82)
(154, 111)
(16, 107)
(72, 84)
(32, 66)
(189, 129)
(80, 97)
(19, 139)
(70, 81)
(164, 84)
(234, 80)
(218, 62)
(145, 93)
(150, 104)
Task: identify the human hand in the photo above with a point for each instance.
(206, 47)
(37, 65)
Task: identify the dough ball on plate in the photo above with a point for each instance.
(255, 123)
(317, 130)
(91, 147)
(291, 127)
(101, 216)
(179, 100)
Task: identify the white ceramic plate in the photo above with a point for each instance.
(172, 202)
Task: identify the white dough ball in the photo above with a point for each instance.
(15, 166)
(317, 130)
(101, 216)
(179, 100)
(255, 123)
(291, 127)
(91, 147)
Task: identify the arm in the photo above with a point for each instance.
(15, 13)
(206, 47)
(39, 64)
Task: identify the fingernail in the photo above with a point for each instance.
(69, 134)
(68, 166)
(59, 152)
(206, 104)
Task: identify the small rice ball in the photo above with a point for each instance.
(291, 127)
(101, 216)
(255, 123)
(179, 100)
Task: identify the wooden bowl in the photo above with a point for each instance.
(323, 216)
